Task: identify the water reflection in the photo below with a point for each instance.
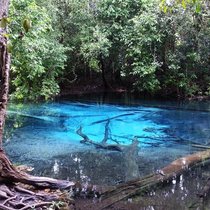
(181, 193)
(56, 167)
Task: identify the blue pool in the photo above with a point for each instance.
(44, 136)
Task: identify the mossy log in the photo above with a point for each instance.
(138, 186)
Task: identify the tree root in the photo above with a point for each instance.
(15, 197)
(8, 173)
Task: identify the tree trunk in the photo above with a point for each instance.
(103, 72)
(4, 4)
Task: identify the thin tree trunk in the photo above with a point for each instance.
(4, 4)
(4, 69)
(7, 171)
(105, 82)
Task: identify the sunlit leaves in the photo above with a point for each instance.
(5, 35)
(140, 38)
(170, 5)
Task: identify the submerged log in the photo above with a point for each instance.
(103, 144)
(200, 146)
(135, 187)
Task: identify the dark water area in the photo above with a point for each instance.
(43, 136)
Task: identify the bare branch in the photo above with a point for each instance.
(98, 145)
(106, 132)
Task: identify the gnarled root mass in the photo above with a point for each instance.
(14, 196)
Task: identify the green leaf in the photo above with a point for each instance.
(165, 8)
(9, 47)
(198, 8)
(26, 25)
(184, 4)
(5, 35)
(3, 23)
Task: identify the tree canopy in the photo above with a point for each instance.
(154, 47)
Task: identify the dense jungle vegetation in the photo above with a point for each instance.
(146, 46)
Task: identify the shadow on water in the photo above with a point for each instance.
(44, 137)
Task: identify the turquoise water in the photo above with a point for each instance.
(44, 137)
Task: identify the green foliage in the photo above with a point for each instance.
(152, 46)
(38, 58)
(72, 19)
(186, 52)
(94, 45)
(141, 38)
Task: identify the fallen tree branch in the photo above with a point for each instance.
(200, 146)
(111, 118)
(123, 115)
(106, 133)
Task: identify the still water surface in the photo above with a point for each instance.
(44, 136)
